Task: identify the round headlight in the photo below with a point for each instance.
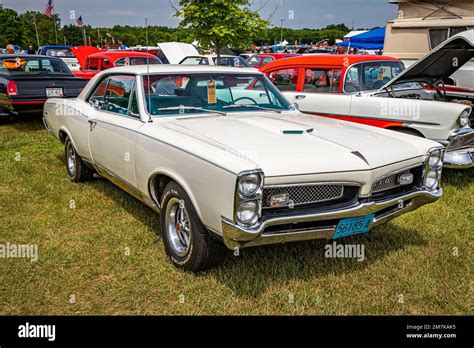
(249, 184)
(464, 118)
(432, 179)
(247, 212)
(436, 159)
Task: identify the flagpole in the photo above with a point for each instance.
(36, 30)
(55, 24)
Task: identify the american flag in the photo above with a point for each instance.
(48, 11)
(80, 22)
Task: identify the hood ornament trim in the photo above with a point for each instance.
(361, 156)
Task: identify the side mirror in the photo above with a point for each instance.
(295, 106)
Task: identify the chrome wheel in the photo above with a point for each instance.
(71, 159)
(178, 226)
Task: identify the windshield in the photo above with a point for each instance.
(201, 93)
(371, 75)
(21, 65)
(137, 61)
(195, 61)
(254, 61)
(232, 61)
(59, 52)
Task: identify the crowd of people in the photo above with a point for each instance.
(11, 50)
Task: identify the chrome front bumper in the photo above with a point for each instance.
(460, 149)
(238, 237)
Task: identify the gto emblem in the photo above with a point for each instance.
(405, 179)
(279, 200)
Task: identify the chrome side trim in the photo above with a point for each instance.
(124, 185)
(343, 183)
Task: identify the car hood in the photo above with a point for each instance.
(441, 62)
(175, 52)
(297, 144)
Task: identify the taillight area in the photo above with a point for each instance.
(11, 88)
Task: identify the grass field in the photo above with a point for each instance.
(99, 253)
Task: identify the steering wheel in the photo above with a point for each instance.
(253, 101)
(379, 84)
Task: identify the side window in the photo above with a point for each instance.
(97, 97)
(93, 63)
(106, 64)
(456, 30)
(266, 60)
(133, 111)
(122, 62)
(352, 82)
(437, 36)
(285, 79)
(322, 80)
(46, 65)
(117, 94)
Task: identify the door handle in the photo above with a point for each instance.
(300, 97)
(92, 123)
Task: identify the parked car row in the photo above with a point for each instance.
(378, 91)
(241, 157)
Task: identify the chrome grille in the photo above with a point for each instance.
(388, 182)
(304, 194)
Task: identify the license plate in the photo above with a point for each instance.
(54, 92)
(353, 226)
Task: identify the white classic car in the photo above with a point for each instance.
(226, 160)
(409, 101)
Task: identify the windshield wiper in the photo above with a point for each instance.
(182, 107)
(236, 106)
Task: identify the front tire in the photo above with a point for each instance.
(187, 242)
(77, 170)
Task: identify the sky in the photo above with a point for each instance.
(297, 13)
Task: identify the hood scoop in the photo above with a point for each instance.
(297, 131)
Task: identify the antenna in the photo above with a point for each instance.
(148, 68)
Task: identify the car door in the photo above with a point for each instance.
(314, 90)
(318, 93)
(114, 127)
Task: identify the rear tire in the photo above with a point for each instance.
(77, 170)
(187, 242)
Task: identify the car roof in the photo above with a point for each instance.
(326, 59)
(277, 55)
(177, 69)
(55, 46)
(120, 54)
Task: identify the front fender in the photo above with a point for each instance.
(433, 119)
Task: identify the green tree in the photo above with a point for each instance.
(73, 34)
(45, 27)
(220, 22)
(11, 28)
